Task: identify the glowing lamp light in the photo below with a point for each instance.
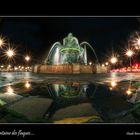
(10, 53)
(113, 60)
(103, 65)
(113, 84)
(1, 42)
(129, 53)
(27, 58)
(128, 92)
(90, 63)
(106, 63)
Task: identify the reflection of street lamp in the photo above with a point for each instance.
(27, 85)
(113, 84)
(130, 53)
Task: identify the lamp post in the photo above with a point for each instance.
(27, 59)
(10, 53)
(113, 60)
(130, 53)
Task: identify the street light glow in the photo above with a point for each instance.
(113, 60)
(113, 84)
(106, 63)
(10, 53)
(27, 58)
(129, 53)
(90, 63)
(1, 42)
(128, 92)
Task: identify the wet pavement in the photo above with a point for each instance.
(89, 98)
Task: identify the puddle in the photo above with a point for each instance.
(69, 102)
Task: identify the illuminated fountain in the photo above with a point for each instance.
(70, 57)
(69, 52)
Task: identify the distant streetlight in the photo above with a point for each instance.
(106, 63)
(90, 63)
(10, 53)
(113, 60)
(130, 53)
(103, 65)
(27, 58)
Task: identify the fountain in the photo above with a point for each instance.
(69, 52)
(70, 57)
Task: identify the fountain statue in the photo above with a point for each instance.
(69, 52)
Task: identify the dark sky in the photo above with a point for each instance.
(37, 34)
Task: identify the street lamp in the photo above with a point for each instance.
(90, 63)
(10, 53)
(106, 63)
(113, 60)
(27, 58)
(130, 53)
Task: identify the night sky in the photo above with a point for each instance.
(37, 34)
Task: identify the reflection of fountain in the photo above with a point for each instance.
(70, 90)
(69, 52)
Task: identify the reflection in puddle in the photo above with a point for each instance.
(68, 90)
(67, 101)
(129, 92)
(27, 85)
(9, 90)
(113, 84)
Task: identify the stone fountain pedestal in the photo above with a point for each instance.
(70, 69)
